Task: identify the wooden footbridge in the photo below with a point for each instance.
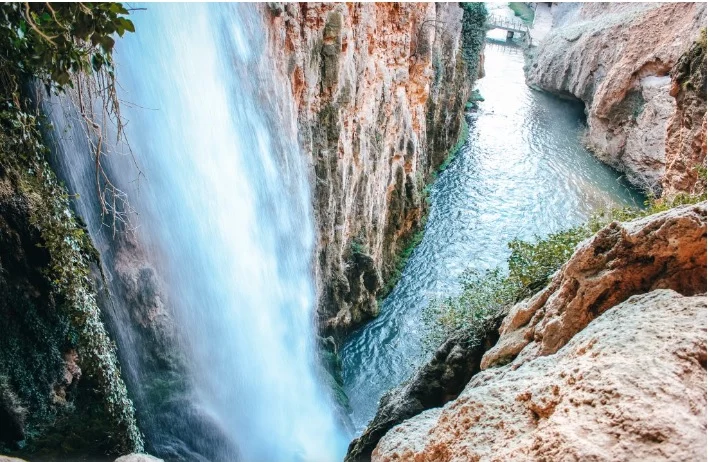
(511, 26)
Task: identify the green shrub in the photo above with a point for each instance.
(531, 264)
(474, 18)
(486, 295)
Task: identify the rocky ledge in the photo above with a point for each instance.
(631, 386)
(607, 363)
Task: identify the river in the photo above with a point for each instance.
(523, 172)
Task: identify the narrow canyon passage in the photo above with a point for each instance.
(523, 172)
(352, 231)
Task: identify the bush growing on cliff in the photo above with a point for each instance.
(486, 295)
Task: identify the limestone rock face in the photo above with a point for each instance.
(686, 133)
(616, 58)
(379, 91)
(665, 250)
(630, 386)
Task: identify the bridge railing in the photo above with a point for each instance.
(500, 22)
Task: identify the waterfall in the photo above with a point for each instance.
(226, 232)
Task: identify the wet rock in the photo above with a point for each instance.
(630, 386)
(440, 380)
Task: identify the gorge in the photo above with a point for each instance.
(364, 231)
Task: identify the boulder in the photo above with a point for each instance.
(630, 386)
(662, 251)
(137, 458)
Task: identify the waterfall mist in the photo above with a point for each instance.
(223, 245)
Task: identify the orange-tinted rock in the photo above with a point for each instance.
(630, 386)
(379, 91)
(616, 58)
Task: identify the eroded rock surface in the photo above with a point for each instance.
(665, 250)
(686, 133)
(379, 91)
(630, 386)
(617, 58)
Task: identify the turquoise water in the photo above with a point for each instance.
(523, 172)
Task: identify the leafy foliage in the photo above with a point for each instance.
(473, 33)
(52, 41)
(484, 296)
(532, 263)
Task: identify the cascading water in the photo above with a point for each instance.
(225, 219)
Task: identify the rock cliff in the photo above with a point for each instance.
(618, 59)
(379, 91)
(577, 366)
(61, 389)
(686, 133)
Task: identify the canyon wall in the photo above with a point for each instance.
(607, 363)
(618, 59)
(61, 389)
(380, 91)
(686, 133)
